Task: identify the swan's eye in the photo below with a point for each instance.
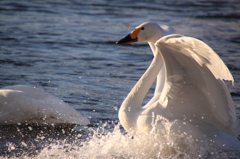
(142, 28)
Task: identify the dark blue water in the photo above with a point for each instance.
(68, 48)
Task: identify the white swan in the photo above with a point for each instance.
(190, 91)
(25, 104)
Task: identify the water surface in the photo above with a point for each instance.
(68, 48)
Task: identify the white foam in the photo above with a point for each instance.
(109, 145)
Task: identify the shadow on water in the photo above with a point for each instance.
(29, 140)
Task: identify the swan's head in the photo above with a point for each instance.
(146, 32)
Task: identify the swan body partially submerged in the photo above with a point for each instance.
(25, 104)
(190, 90)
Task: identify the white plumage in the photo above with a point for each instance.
(190, 92)
(26, 104)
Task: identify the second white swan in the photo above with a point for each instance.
(22, 104)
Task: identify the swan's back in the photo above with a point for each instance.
(195, 87)
(21, 104)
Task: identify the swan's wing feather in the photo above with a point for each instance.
(201, 53)
(208, 57)
(194, 84)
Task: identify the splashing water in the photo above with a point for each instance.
(104, 144)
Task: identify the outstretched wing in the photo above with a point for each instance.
(194, 87)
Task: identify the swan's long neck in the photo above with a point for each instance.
(133, 102)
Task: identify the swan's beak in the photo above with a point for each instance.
(132, 37)
(127, 39)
